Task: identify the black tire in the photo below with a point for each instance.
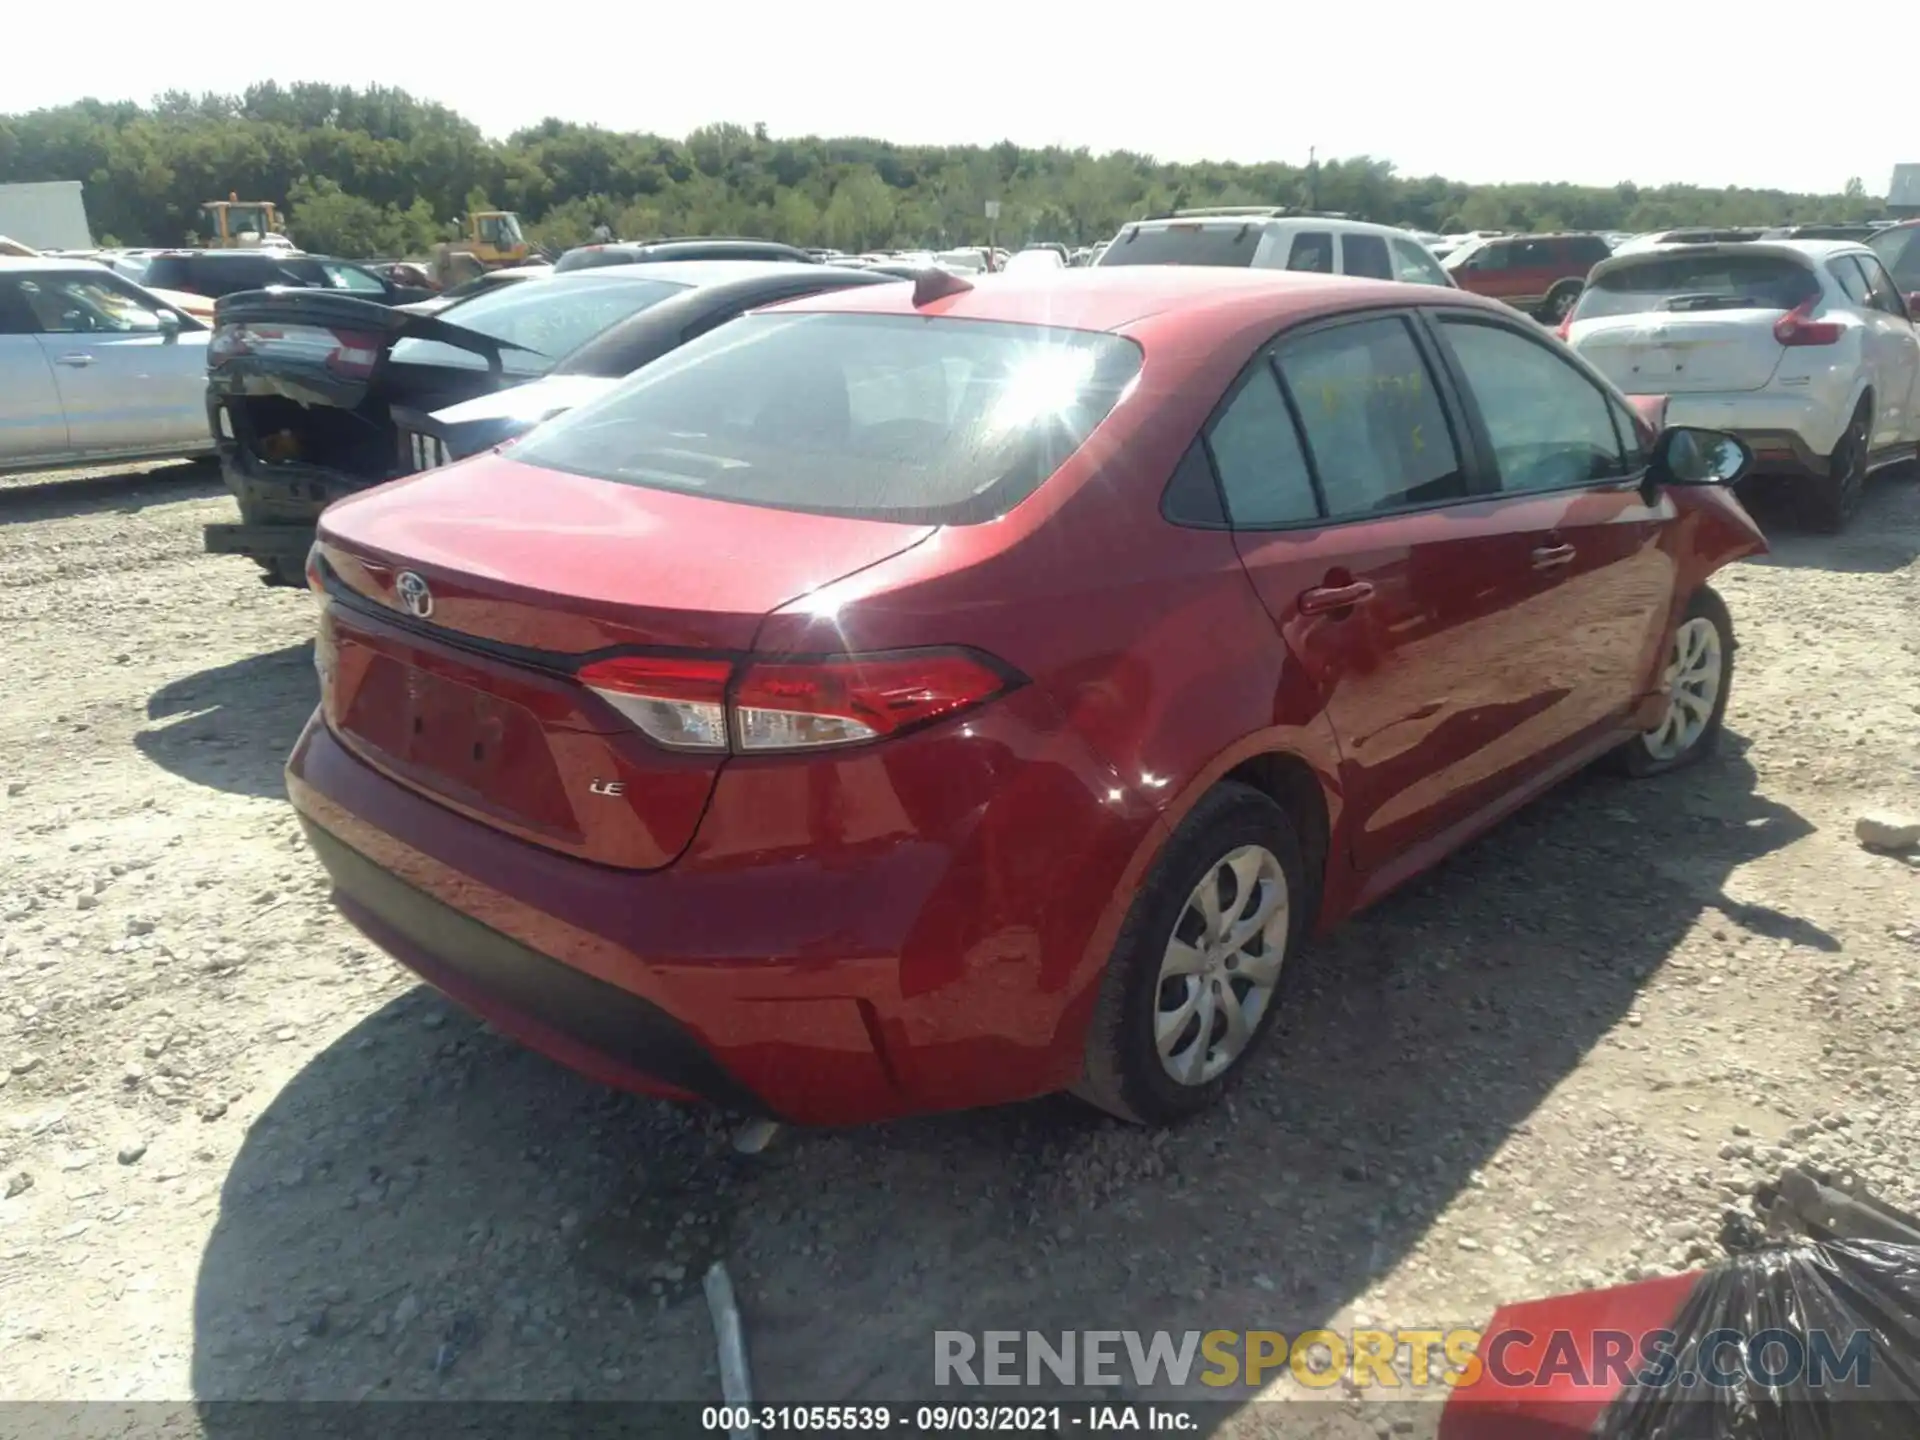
(1832, 501)
(1635, 757)
(1123, 1072)
(282, 571)
(1560, 302)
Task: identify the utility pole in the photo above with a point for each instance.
(1313, 171)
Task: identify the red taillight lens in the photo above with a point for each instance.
(354, 354)
(807, 705)
(683, 703)
(1795, 328)
(676, 701)
(1565, 327)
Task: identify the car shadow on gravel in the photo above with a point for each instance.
(53, 495)
(426, 1210)
(1882, 537)
(232, 727)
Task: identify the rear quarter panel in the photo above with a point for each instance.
(1147, 637)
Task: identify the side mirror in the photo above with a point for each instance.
(1913, 306)
(169, 323)
(1686, 456)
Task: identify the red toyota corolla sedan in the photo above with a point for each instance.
(918, 697)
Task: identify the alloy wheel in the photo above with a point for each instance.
(1696, 666)
(1221, 965)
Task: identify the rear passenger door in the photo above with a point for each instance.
(1363, 517)
(1569, 466)
(33, 424)
(1896, 351)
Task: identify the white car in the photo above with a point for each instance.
(1802, 348)
(1263, 237)
(94, 369)
(1031, 261)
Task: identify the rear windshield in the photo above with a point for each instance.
(546, 319)
(889, 417)
(1899, 251)
(1194, 244)
(1706, 281)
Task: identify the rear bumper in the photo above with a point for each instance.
(860, 975)
(1788, 434)
(544, 1003)
(280, 506)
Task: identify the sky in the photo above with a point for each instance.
(1480, 92)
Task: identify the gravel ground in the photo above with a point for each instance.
(244, 1156)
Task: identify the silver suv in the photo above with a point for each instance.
(1263, 237)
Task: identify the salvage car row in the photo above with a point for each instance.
(900, 695)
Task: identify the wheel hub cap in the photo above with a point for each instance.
(1695, 665)
(1221, 965)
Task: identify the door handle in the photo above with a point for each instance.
(1324, 598)
(77, 361)
(1552, 557)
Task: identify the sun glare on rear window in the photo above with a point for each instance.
(893, 417)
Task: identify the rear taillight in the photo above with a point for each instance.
(803, 705)
(228, 342)
(694, 703)
(1795, 328)
(354, 353)
(1565, 327)
(677, 702)
(316, 579)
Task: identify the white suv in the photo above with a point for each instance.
(1802, 348)
(1262, 237)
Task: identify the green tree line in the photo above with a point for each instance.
(378, 172)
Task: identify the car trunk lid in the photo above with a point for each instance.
(1676, 353)
(306, 376)
(465, 599)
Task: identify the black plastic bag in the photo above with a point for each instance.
(1794, 1342)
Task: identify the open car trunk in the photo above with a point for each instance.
(301, 387)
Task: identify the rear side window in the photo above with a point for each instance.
(1846, 272)
(1256, 451)
(1414, 265)
(1365, 255)
(1588, 250)
(16, 316)
(1899, 251)
(1376, 432)
(1882, 294)
(1714, 280)
(1312, 251)
(1184, 245)
(888, 417)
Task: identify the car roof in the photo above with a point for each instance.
(1114, 297)
(1809, 249)
(1265, 222)
(19, 264)
(681, 272)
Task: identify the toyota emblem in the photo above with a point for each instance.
(414, 594)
